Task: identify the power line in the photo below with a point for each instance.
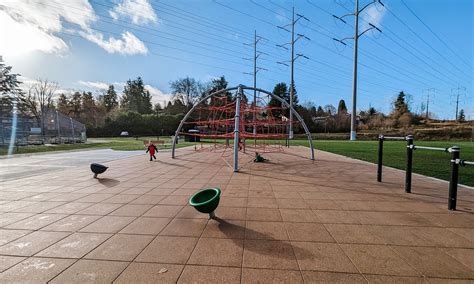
(432, 32)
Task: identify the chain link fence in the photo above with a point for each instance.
(53, 128)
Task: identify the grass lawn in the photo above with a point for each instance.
(430, 163)
(119, 144)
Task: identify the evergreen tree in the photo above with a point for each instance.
(461, 116)
(400, 105)
(63, 104)
(217, 85)
(110, 99)
(341, 108)
(136, 98)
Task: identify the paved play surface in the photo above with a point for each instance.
(34, 164)
(289, 220)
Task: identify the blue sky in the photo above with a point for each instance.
(87, 44)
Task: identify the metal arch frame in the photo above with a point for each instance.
(242, 87)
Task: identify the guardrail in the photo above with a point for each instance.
(411, 147)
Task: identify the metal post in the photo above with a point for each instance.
(453, 181)
(72, 131)
(354, 79)
(59, 133)
(255, 85)
(237, 130)
(409, 165)
(292, 82)
(380, 163)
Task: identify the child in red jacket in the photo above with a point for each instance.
(152, 149)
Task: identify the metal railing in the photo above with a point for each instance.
(411, 147)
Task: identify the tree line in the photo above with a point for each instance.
(108, 113)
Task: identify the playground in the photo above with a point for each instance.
(287, 219)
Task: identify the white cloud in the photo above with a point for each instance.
(129, 44)
(157, 96)
(139, 11)
(94, 85)
(28, 26)
(374, 15)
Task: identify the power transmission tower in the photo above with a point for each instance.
(428, 91)
(292, 60)
(256, 69)
(457, 98)
(356, 41)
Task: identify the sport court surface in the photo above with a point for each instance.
(289, 220)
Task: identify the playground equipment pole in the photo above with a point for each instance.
(237, 129)
(379, 163)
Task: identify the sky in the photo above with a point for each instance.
(425, 47)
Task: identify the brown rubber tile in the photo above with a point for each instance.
(263, 214)
(353, 234)
(74, 246)
(322, 257)
(250, 275)
(120, 247)
(332, 277)
(298, 215)
(71, 223)
(308, 232)
(108, 224)
(100, 209)
(168, 250)
(35, 270)
(146, 226)
(184, 227)
(32, 243)
(7, 236)
(378, 259)
(257, 230)
(269, 254)
(434, 262)
(150, 273)
(91, 271)
(217, 252)
(224, 229)
(210, 274)
(9, 261)
(131, 210)
(36, 222)
(164, 211)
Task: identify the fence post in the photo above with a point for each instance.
(409, 168)
(379, 163)
(453, 180)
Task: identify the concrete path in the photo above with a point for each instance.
(289, 220)
(34, 164)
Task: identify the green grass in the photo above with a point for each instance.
(119, 144)
(430, 163)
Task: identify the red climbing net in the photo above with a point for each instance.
(263, 125)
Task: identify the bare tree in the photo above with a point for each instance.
(38, 99)
(188, 90)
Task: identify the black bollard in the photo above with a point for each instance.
(379, 163)
(453, 181)
(409, 168)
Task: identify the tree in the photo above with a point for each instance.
(75, 104)
(39, 99)
(280, 90)
(136, 98)
(63, 104)
(9, 85)
(400, 105)
(187, 90)
(461, 116)
(217, 85)
(110, 99)
(341, 108)
(330, 109)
